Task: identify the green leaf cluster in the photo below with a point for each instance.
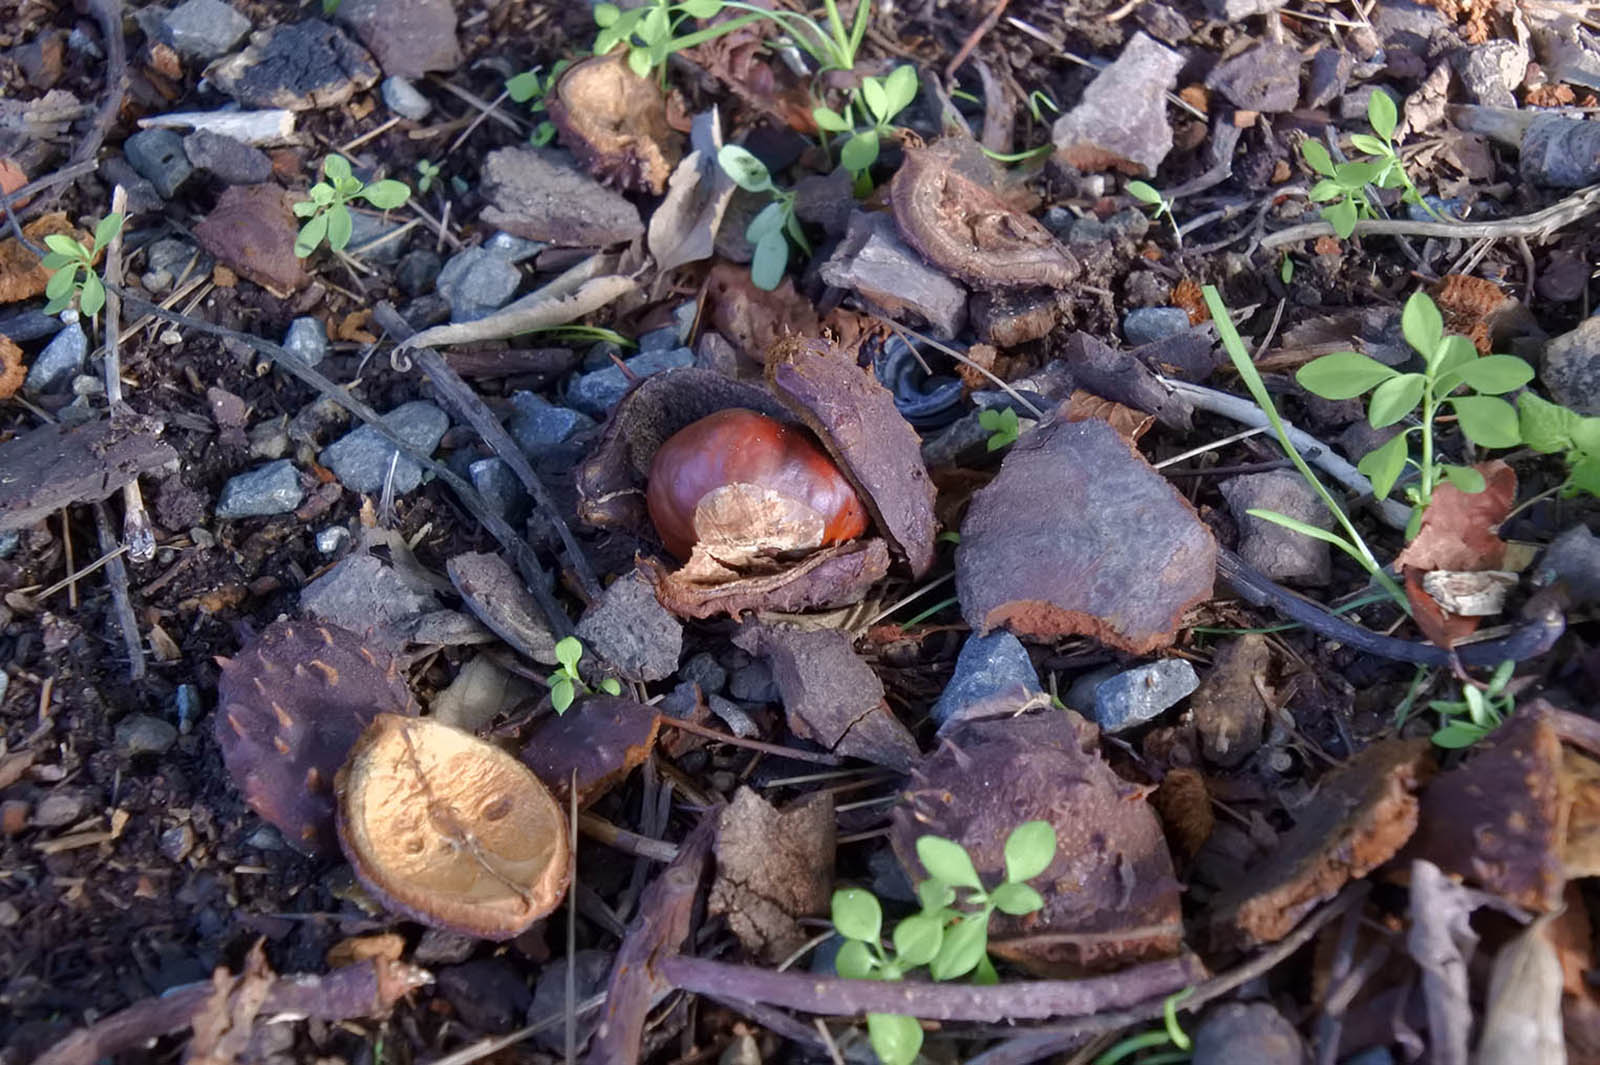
(327, 211)
(950, 934)
(1451, 364)
(650, 32)
(427, 174)
(565, 683)
(878, 101)
(774, 226)
(1002, 425)
(531, 89)
(1478, 712)
(1343, 187)
(69, 259)
(1553, 429)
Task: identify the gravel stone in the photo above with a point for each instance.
(361, 458)
(307, 340)
(1282, 554)
(513, 248)
(60, 361)
(1150, 324)
(158, 155)
(1122, 115)
(142, 734)
(500, 488)
(988, 666)
(541, 428)
(1132, 697)
(753, 683)
(404, 99)
(270, 489)
(418, 271)
(203, 28)
(596, 393)
(704, 670)
(231, 161)
(477, 282)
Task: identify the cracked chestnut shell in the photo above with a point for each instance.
(741, 482)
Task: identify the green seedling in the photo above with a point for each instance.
(427, 174)
(1348, 539)
(650, 31)
(1002, 424)
(1450, 362)
(70, 259)
(832, 46)
(327, 212)
(1478, 712)
(950, 935)
(1286, 270)
(774, 226)
(880, 100)
(1343, 188)
(565, 683)
(1038, 100)
(1171, 1034)
(529, 88)
(1553, 429)
(1150, 196)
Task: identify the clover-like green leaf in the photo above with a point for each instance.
(611, 686)
(93, 296)
(1367, 143)
(1382, 114)
(935, 895)
(310, 235)
(1317, 157)
(901, 88)
(1585, 433)
(108, 228)
(1487, 421)
(1458, 734)
(877, 100)
(829, 120)
(640, 61)
(1342, 217)
(1384, 465)
(855, 961)
(386, 195)
(523, 87)
(340, 226)
(61, 283)
(770, 260)
(767, 220)
(860, 151)
(1029, 849)
(606, 14)
(1143, 192)
(1422, 324)
(305, 208)
(569, 652)
(336, 168)
(895, 1038)
(1343, 375)
(948, 861)
(963, 945)
(857, 915)
(1465, 478)
(1325, 190)
(917, 939)
(747, 172)
(1544, 426)
(1495, 375)
(701, 9)
(1453, 352)
(1355, 175)
(1394, 399)
(561, 694)
(1018, 899)
(54, 260)
(62, 244)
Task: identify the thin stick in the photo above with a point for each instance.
(137, 532)
(754, 745)
(1214, 445)
(71, 579)
(913, 597)
(121, 600)
(1539, 224)
(494, 1044)
(41, 596)
(602, 831)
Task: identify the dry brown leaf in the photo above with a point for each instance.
(21, 275)
(1130, 424)
(1187, 295)
(225, 1024)
(385, 946)
(12, 372)
(1185, 809)
(1457, 534)
(1522, 1017)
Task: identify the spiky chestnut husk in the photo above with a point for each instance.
(290, 705)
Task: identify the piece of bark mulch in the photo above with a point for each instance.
(1363, 813)
(830, 695)
(773, 867)
(52, 466)
(602, 737)
(1077, 535)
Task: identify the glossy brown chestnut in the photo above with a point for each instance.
(738, 447)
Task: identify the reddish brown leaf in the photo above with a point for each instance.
(1457, 533)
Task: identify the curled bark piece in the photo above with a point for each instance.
(615, 122)
(970, 233)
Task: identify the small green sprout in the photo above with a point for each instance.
(428, 173)
(774, 226)
(650, 30)
(328, 212)
(566, 684)
(1171, 1033)
(880, 100)
(1450, 362)
(1038, 100)
(1553, 429)
(1286, 270)
(68, 259)
(1478, 712)
(950, 935)
(1150, 196)
(529, 88)
(1343, 187)
(1002, 424)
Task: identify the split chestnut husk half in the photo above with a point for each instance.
(787, 497)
